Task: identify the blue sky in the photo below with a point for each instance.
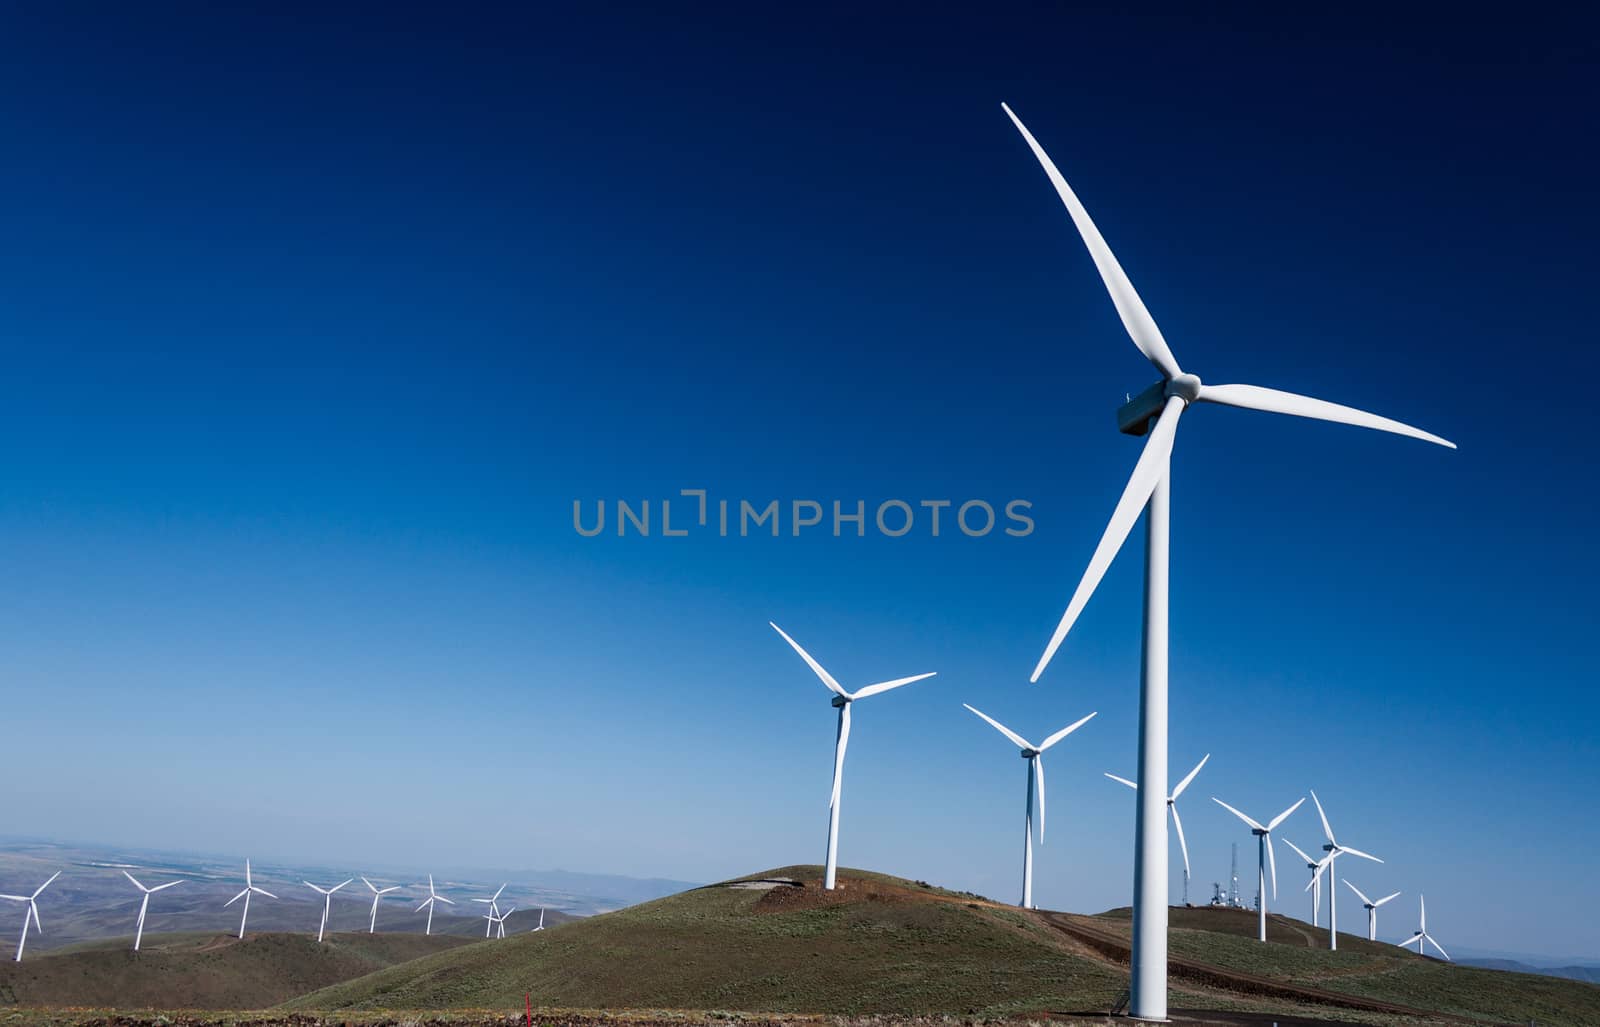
(314, 331)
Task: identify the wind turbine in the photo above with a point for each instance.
(1334, 850)
(1155, 412)
(144, 904)
(1422, 934)
(327, 901)
(249, 888)
(541, 919)
(493, 909)
(1315, 887)
(377, 895)
(433, 897)
(1372, 909)
(1264, 856)
(1034, 755)
(1172, 806)
(841, 700)
(498, 920)
(31, 913)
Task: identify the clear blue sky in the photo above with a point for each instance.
(314, 330)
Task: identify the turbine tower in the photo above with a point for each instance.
(1155, 412)
(1334, 850)
(1372, 909)
(1422, 936)
(144, 904)
(1264, 857)
(249, 889)
(31, 913)
(841, 700)
(1315, 887)
(1177, 823)
(428, 902)
(1034, 754)
(494, 909)
(377, 896)
(327, 902)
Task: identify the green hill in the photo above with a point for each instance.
(881, 945)
(203, 970)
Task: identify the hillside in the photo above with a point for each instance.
(884, 945)
(204, 970)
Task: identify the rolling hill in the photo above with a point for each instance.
(204, 970)
(776, 943)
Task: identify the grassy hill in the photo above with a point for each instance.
(889, 946)
(204, 970)
(878, 945)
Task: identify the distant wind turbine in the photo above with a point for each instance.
(31, 913)
(498, 920)
(1422, 934)
(377, 896)
(144, 904)
(1315, 887)
(494, 909)
(1264, 856)
(841, 700)
(249, 889)
(1334, 851)
(427, 903)
(1372, 909)
(327, 901)
(1172, 807)
(541, 919)
(1034, 754)
(1154, 412)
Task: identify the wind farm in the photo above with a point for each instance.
(423, 425)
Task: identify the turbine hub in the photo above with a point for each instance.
(840, 700)
(1184, 386)
(1029, 754)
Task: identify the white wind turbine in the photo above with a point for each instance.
(841, 700)
(1035, 772)
(327, 901)
(1334, 850)
(1422, 936)
(1315, 887)
(377, 896)
(494, 908)
(1372, 909)
(541, 919)
(144, 904)
(1155, 412)
(31, 913)
(498, 920)
(1177, 823)
(249, 889)
(428, 902)
(1264, 856)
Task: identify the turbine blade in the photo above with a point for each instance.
(1281, 817)
(816, 667)
(1136, 319)
(1190, 777)
(135, 881)
(1147, 472)
(263, 891)
(236, 898)
(1299, 851)
(1123, 780)
(884, 686)
(1183, 846)
(1272, 862)
(341, 884)
(1414, 938)
(497, 893)
(444, 900)
(313, 887)
(369, 885)
(33, 911)
(1386, 898)
(1038, 777)
(39, 890)
(1253, 825)
(169, 884)
(1430, 941)
(838, 754)
(1064, 732)
(1254, 397)
(1359, 895)
(1325, 828)
(1422, 906)
(1021, 743)
(1358, 852)
(425, 904)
